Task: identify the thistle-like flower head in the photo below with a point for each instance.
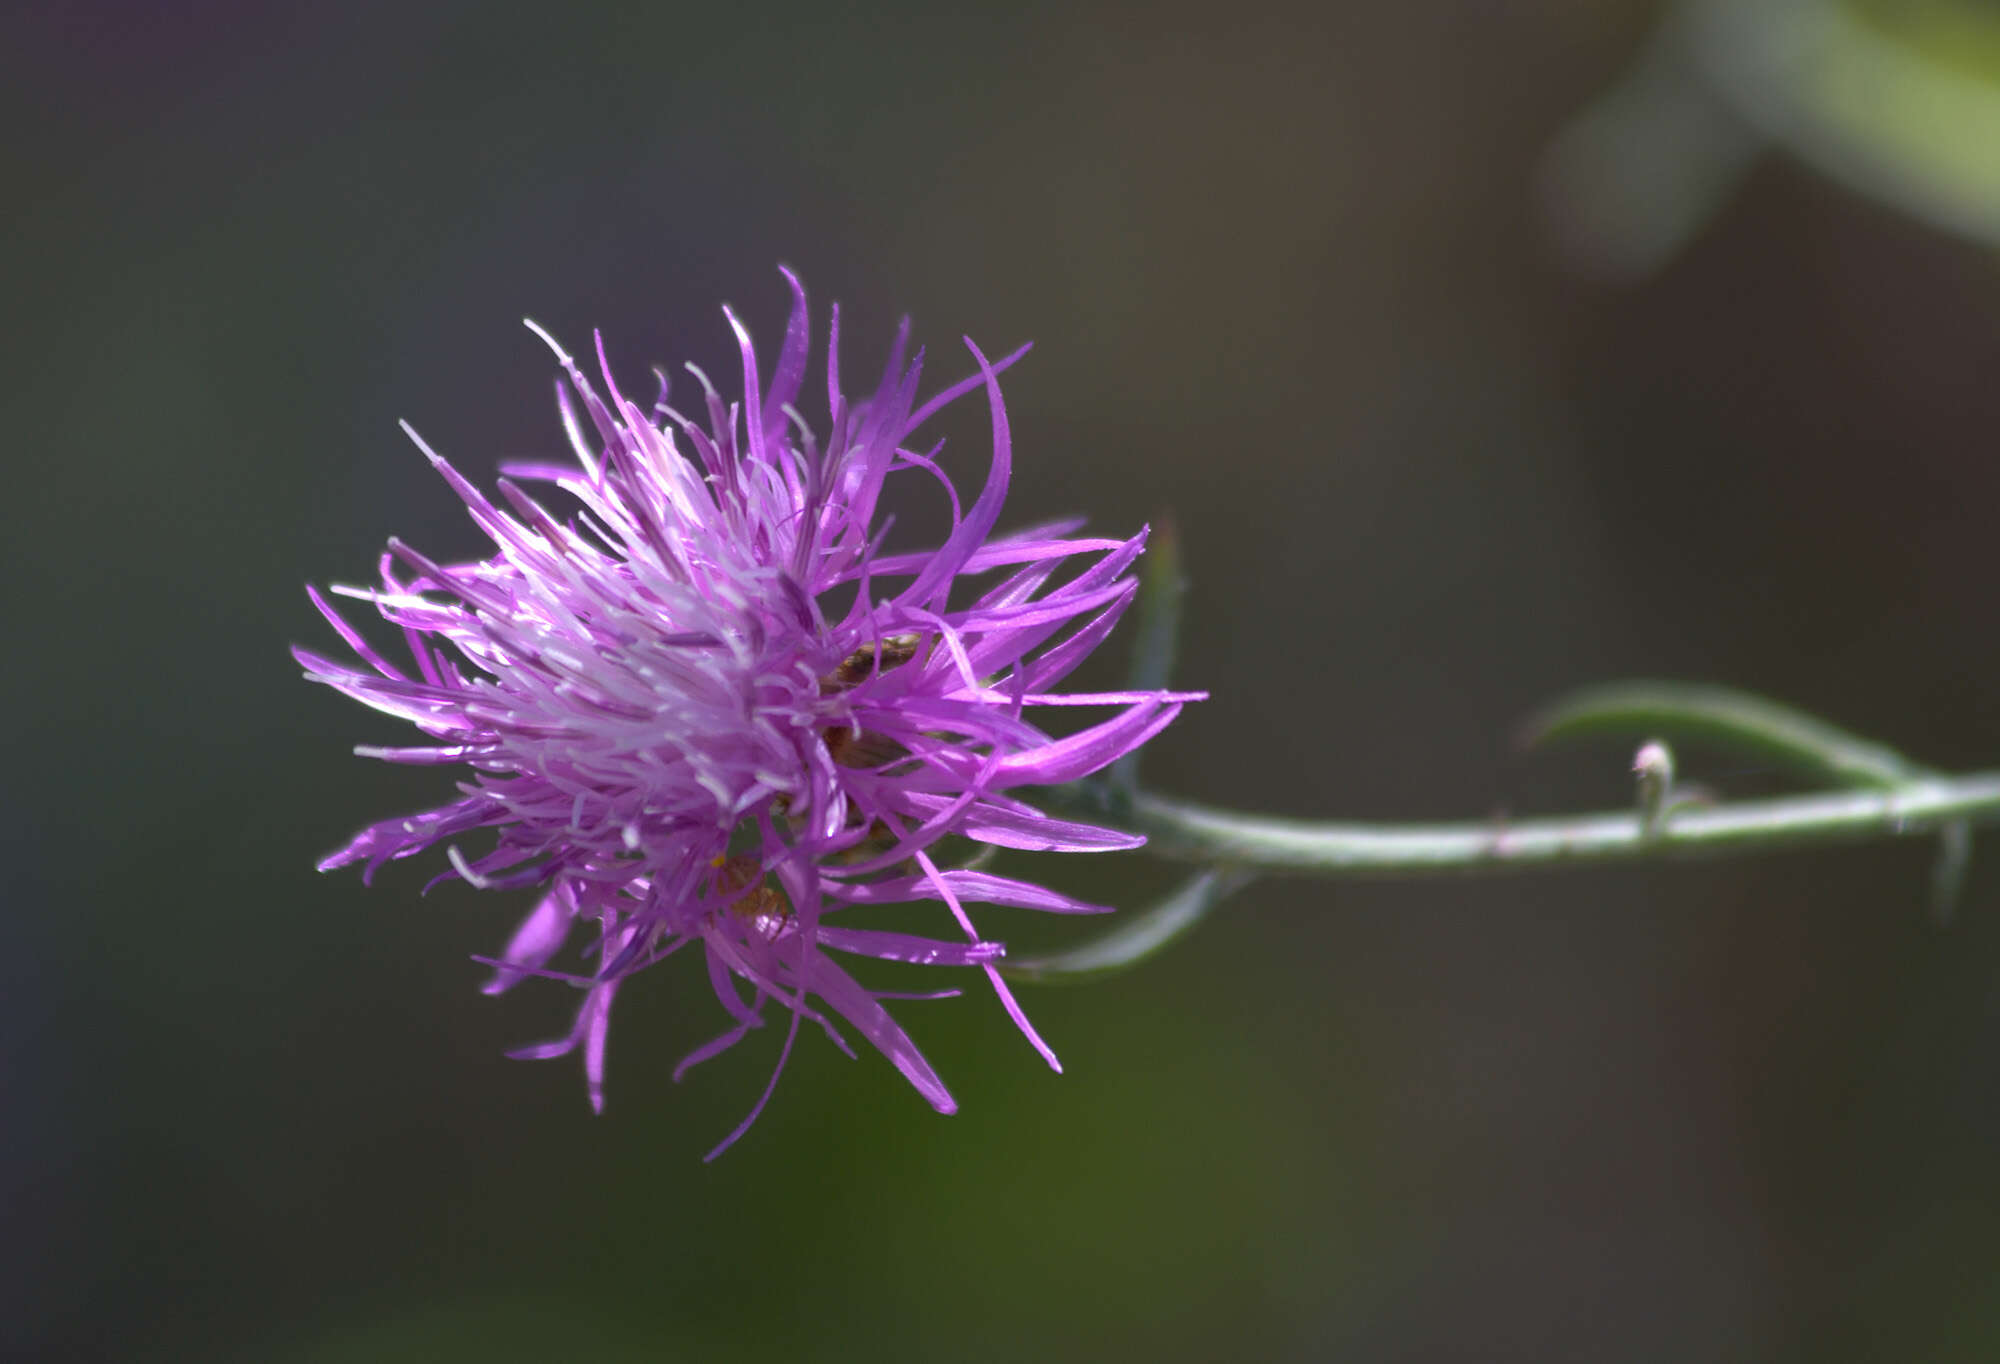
(699, 704)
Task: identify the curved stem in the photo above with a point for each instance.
(1138, 936)
(1196, 833)
(1727, 717)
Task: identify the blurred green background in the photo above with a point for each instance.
(1289, 280)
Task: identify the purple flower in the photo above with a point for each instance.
(704, 707)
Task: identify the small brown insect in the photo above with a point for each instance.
(862, 750)
(860, 665)
(735, 873)
(847, 746)
(761, 903)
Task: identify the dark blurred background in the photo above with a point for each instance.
(1289, 279)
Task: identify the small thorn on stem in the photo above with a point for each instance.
(1653, 766)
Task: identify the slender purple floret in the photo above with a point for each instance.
(676, 737)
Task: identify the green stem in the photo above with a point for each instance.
(1726, 717)
(1195, 833)
(1138, 935)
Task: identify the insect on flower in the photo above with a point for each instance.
(674, 734)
